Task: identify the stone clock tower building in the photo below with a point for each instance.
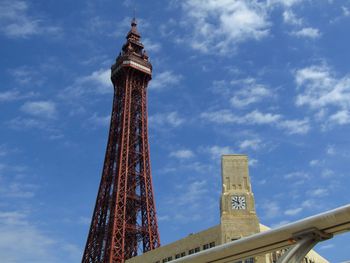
(237, 207)
(238, 219)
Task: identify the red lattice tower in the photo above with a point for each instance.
(124, 220)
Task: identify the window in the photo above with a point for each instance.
(191, 251)
(249, 260)
(183, 254)
(177, 256)
(167, 259)
(196, 250)
(274, 257)
(210, 245)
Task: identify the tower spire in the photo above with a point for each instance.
(133, 33)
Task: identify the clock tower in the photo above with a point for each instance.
(237, 206)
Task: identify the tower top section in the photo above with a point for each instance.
(132, 54)
(133, 33)
(235, 173)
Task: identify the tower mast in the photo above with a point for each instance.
(124, 219)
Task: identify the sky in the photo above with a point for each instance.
(268, 78)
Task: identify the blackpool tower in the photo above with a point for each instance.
(124, 220)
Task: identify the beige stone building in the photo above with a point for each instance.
(238, 219)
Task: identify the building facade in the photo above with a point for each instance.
(238, 219)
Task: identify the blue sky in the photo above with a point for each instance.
(267, 78)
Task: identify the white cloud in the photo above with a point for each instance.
(170, 119)
(271, 209)
(187, 200)
(182, 154)
(190, 194)
(308, 203)
(98, 82)
(314, 162)
(290, 18)
(322, 91)
(199, 167)
(26, 123)
(151, 46)
(257, 117)
(297, 175)
(293, 212)
(253, 144)
(12, 218)
(219, 25)
(165, 80)
(314, 75)
(15, 230)
(308, 32)
(13, 95)
(319, 192)
(295, 126)
(97, 120)
(341, 117)
(222, 87)
(101, 77)
(346, 11)
(36, 246)
(18, 190)
(162, 218)
(330, 150)
(285, 3)
(253, 162)
(9, 95)
(12, 185)
(254, 117)
(43, 109)
(72, 251)
(221, 116)
(84, 220)
(217, 151)
(250, 93)
(193, 193)
(327, 173)
(3, 151)
(26, 75)
(15, 22)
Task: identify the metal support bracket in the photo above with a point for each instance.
(304, 242)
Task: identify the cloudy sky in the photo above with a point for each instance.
(268, 78)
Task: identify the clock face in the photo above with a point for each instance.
(238, 202)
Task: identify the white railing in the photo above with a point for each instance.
(299, 236)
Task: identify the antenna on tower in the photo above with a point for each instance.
(133, 21)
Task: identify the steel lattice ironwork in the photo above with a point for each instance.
(124, 220)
